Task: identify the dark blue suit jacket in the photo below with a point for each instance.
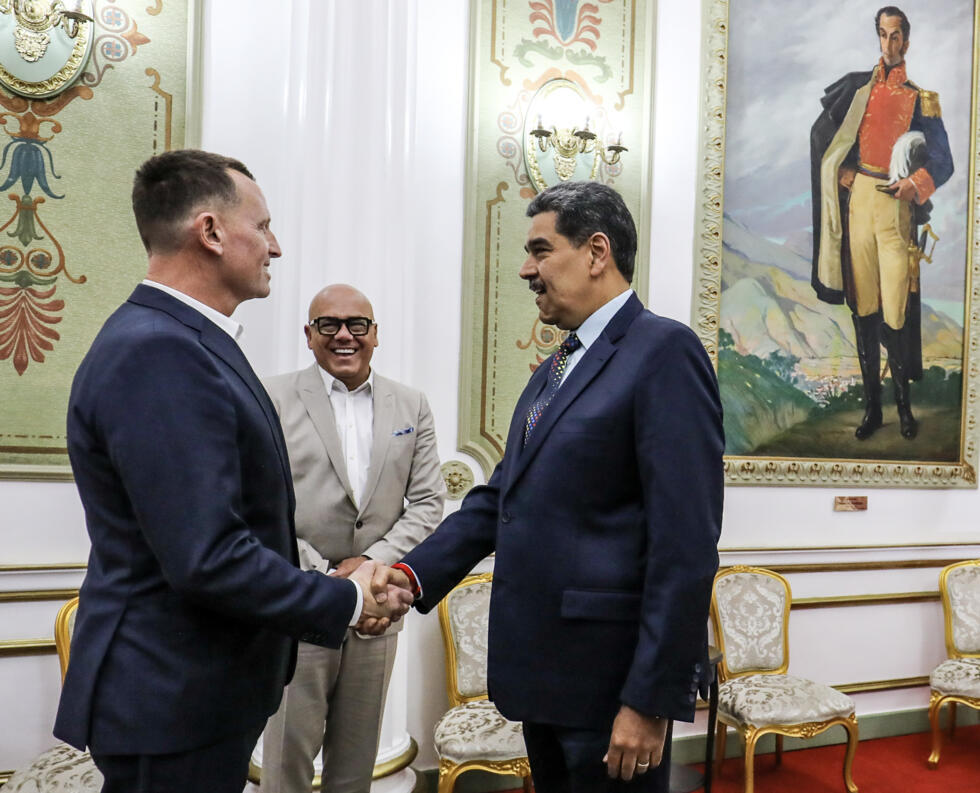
(605, 528)
(191, 589)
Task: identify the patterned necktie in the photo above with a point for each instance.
(555, 374)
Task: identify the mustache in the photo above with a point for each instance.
(536, 285)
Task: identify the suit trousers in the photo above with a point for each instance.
(565, 760)
(334, 701)
(221, 767)
(880, 231)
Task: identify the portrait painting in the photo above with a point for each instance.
(835, 269)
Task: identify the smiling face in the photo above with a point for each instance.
(248, 244)
(345, 356)
(894, 45)
(558, 273)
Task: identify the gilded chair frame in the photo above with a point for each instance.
(937, 699)
(749, 734)
(62, 633)
(449, 770)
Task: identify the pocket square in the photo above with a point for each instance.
(405, 431)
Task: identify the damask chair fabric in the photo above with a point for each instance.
(957, 680)
(62, 768)
(473, 734)
(753, 613)
(750, 617)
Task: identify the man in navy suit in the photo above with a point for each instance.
(192, 602)
(604, 515)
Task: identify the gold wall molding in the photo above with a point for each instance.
(839, 567)
(37, 595)
(883, 685)
(877, 599)
(17, 648)
(59, 567)
(5, 777)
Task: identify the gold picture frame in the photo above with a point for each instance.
(739, 245)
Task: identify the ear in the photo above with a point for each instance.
(375, 329)
(905, 47)
(308, 332)
(206, 229)
(601, 251)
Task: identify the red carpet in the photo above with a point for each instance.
(883, 765)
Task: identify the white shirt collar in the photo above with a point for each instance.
(230, 326)
(329, 380)
(596, 322)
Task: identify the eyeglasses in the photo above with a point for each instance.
(330, 326)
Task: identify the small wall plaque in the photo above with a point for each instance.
(850, 503)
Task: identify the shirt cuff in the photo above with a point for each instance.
(413, 579)
(359, 605)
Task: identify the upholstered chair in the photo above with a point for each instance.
(750, 616)
(62, 768)
(472, 733)
(958, 678)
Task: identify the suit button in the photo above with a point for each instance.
(692, 698)
(505, 518)
(697, 667)
(359, 524)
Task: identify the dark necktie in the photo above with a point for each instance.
(555, 374)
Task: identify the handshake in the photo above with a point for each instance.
(386, 593)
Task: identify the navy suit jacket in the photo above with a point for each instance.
(192, 602)
(605, 528)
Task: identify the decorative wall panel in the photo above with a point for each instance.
(69, 250)
(541, 65)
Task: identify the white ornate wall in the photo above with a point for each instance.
(352, 116)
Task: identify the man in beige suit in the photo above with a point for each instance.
(365, 466)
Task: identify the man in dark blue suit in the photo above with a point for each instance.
(192, 601)
(604, 515)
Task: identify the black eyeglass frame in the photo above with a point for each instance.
(341, 322)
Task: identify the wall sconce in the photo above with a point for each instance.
(44, 44)
(577, 151)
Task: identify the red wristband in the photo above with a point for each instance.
(412, 580)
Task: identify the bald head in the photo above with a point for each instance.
(340, 294)
(346, 356)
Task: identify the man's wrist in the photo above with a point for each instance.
(413, 580)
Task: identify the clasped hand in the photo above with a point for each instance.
(386, 599)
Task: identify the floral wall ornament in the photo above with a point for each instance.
(31, 257)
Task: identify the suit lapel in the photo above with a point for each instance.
(585, 371)
(381, 429)
(316, 400)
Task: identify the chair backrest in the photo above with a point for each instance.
(750, 617)
(64, 627)
(464, 615)
(959, 585)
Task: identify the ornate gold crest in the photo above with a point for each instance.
(44, 44)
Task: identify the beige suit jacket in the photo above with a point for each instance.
(404, 492)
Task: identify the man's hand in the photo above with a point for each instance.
(384, 600)
(636, 744)
(904, 189)
(348, 566)
(845, 177)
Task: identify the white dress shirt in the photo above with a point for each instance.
(593, 326)
(227, 324)
(354, 413)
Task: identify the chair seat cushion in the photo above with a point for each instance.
(959, 676)
(60, 769)
(476, 730)
(768, 700)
